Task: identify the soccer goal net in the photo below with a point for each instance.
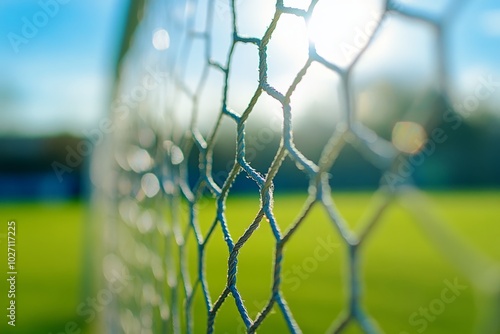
(236, 122)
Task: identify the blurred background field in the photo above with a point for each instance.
(57, 86)
(403, 270)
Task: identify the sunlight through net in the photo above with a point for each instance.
(165, 118)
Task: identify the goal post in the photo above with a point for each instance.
(216, 98)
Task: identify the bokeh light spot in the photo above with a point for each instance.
(161, 39)
(408, 137)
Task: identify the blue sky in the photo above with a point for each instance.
(58, 78)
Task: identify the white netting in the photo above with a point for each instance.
(177, 105)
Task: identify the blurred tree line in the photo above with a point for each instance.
(469, 157)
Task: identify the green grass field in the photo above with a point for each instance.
(402, 270)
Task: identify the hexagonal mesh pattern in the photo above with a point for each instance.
(154, 196)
